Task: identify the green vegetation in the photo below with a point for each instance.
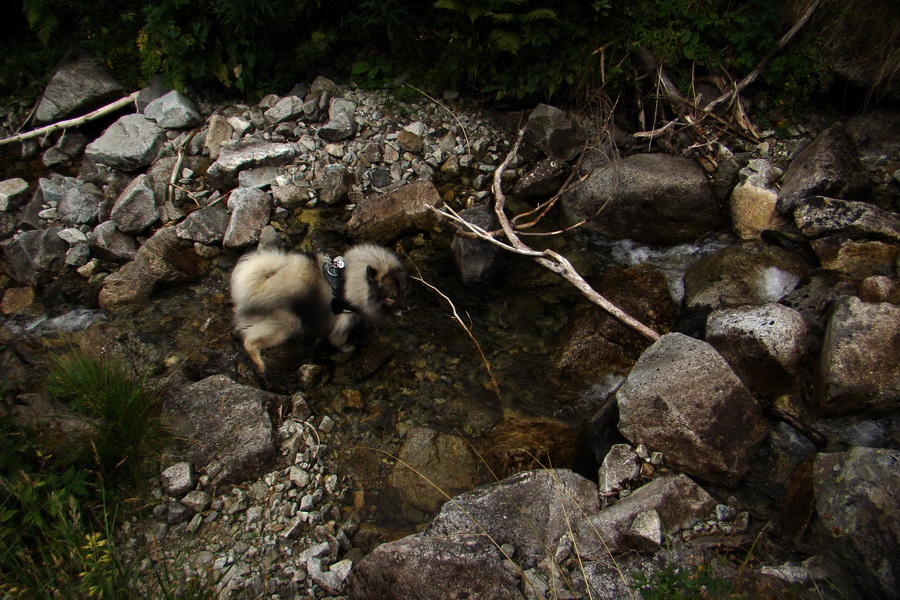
(59, 500)
(502, 49)
(674, 582)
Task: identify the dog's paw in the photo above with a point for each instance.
(347, 347)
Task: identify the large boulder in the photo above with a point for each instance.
(163, 258)
(383, 217)
(129, 144)
(673, 501)
(173, 111)
(36, 256)
(237, 157)
(76, 87)
(135, 209)
(250, 211)
(749, 272)
(652, 198)
(859, 367)
(530, 510)
(451, 568)
(857, 494)
(829, 166)
(427, 459)
(682, 398)
(555, 133)
(765, 345)
(818, 216)
(217, 419)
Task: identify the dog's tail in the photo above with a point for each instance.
(252, 274)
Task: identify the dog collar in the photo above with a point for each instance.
(333, 270)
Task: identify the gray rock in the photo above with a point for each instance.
(75, 87)
(383, 217)
(765, 345)
(653, 198)
(859, 367)
(830, 166)
(289, 107)
(475, 258)
(531, 510)
(684, 400)
(749, 272)
(410, 142)
(334, 579)
(112, 244)
(240, 156)
(544, 180)
(129, 144)
(80, 204)
(36, 256)
(646, 531)
(162, 258)
(173, 111)
(217, 135)
(12, 193)
(178, 479)
(66, 149)
(261, 177)
(444, 459)
(818, 216)
(619, 467)
(196, 500)
(250, 211)
(206, 226)
(334, 183)
(439, 567)
(859, 515)
(555, 133)
(50, 191)
(135, 209)
(220, 419)
(341, 123)
(676, 499)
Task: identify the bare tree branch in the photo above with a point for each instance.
(547, 258)
(47, 129)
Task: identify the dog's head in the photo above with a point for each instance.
(389, 290)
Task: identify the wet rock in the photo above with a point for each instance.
(765, 345)
(219, 133)
(410, 142)
(12, 193)
(219, 419)
(859, 368)
(57, 428)
(135, 209)
(752, 202)
(652, 198)
(543, 180)
(879, 288)
(74, 88)
(861, 259)
(129, 144)
(451, 568)
(530, 510)
(35, 257)
(684, 400)
(475, 258)
(813, 298)
(250, 211)
(859, 515)
(206, 226)
(554, 132)
(112, 244)
(444, 459)
(829, 166)
(383, 217)
(17, 299)
(677, 501)
(80, 204)
(819, 216)
(749, 272)
(162, 258)
(595, 345)
(243, 155)
(287, 108)
(178, 479)
(341, 121)
(173, 111)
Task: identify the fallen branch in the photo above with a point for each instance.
(547, 258)
(47, 129)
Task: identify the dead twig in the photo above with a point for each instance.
(47, 129)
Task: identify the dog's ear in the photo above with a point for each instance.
(371, 274)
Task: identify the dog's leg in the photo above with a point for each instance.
(253, 348)
(340, 331)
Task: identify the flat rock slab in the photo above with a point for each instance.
(129, 144)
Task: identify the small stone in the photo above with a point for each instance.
(196, 500)
(327, 424)
(178, 479)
